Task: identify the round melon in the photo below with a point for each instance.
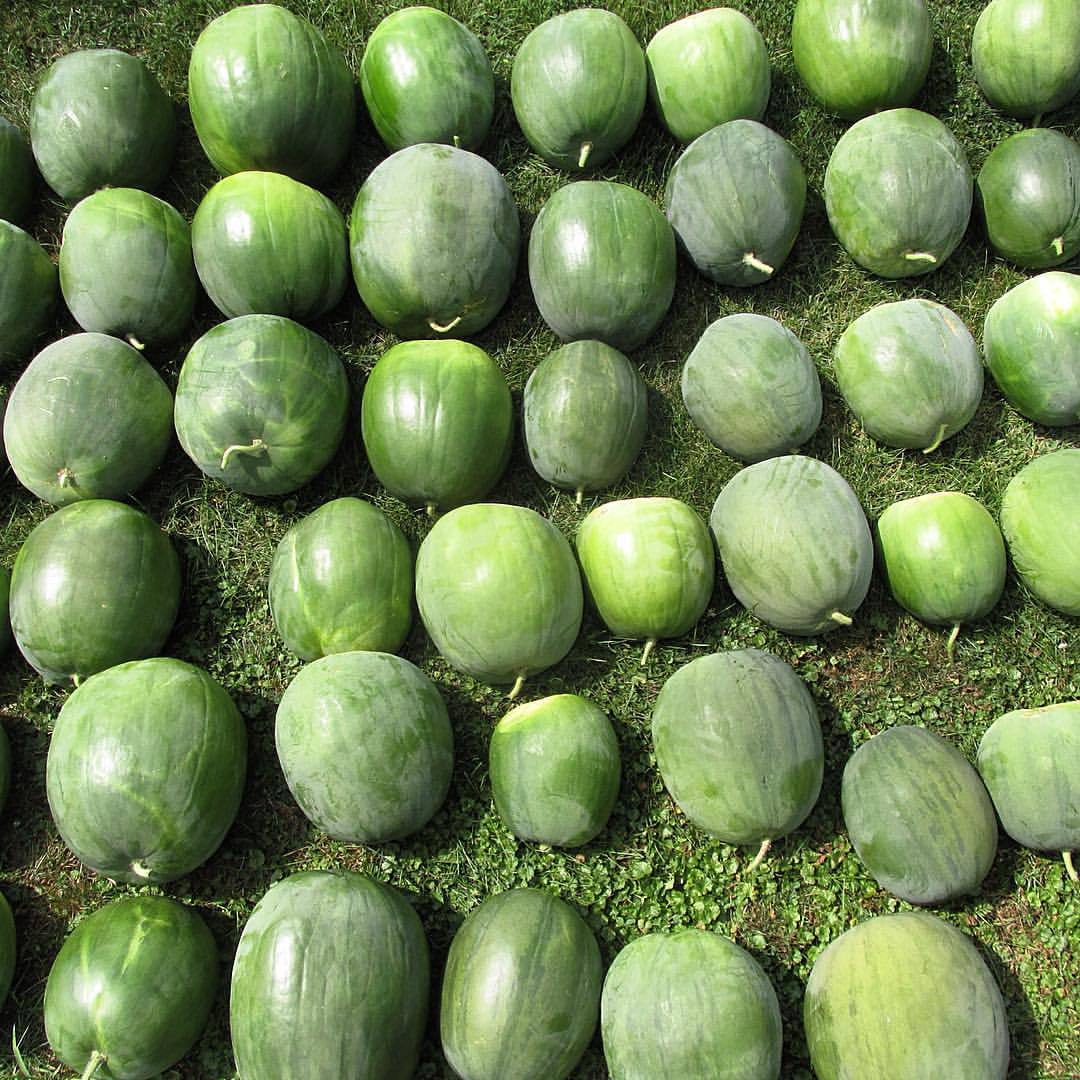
(434, 237)
(680, 1004)
(268, 92)
(342, 580)
(363, 1016)
(365, 744)
(1031, 340)
(426, 79)
(898, 192)
(94, 584)
(499, 592)
(794, 544)
(910, 372)
(751, 386)
(735, 198)
(578, 87)
(261, 404)
(18, 173)
(265, 243)
(861, 56)
(602, 264)
(130, 991)
(110, 420)
(437, 422)
(98, 119)
(554, 766)
(738, 745)
(889, 997)
(521, 992)
(1040, 517)
(7, 948)
(28, 289)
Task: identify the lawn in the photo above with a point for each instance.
(650, 869)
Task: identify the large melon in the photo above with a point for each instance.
(28, 288)
(17, 173)
(5, 619)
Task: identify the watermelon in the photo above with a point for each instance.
(28, 290)
(7, 948)
(434, 237)
(554, 766)
(18, 174)
(898, 192)
(342, 579)
(5, 620)
(1031, 340)
(521, 992)
(426, 79)
(130, 991)
(364, 1016)
(706, 69)
(437, 422)
(365, 744)
(1040, 517)
(472, 561)
(602, 264)
(1029, 193)
(98, 119)
(145, 770)
(905, 995)
(910, 372)
(735, 199)
(751, 386)
(268, 92)
(265, 243)
(585, 410)
(578, 87)
(675, 1006)
(110, 420)
(794, 544)
(1029, 760)
(738, 745)
(261, 404)
(861, 56)
(1026, 55)
(94, 584)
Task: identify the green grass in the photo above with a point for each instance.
(649, 870)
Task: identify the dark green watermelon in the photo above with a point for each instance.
(28, 288)
(7, 948)
(17, 173)
(131, 989)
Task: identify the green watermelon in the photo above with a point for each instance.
(910, 372)
(735, 198)
(146, 769)
(130, 991)
(434, 237)
(677, 1006)
(578, 87)
(268, 92)
(1040, 517)
(751, 386)
(554, 766)
(7, 948)
(1031, 340)
(110, 420)
(365, 744)
(98, 119)
(469, 567)
(426, 79)
(898, 192)
(342, 579)
(18, 173)
(521, 992)
(706, 69)
(794, 544)
(585, 410)
(363, 1016)
(905, 995)
(861, 56)
(28, 288)
(602, 264)
(265, 243)
(261, 404)
(437, 422)
(94, 584)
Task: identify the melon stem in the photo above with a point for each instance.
(920, 256)
(841, 618)
(429, 507)
(135, 343)
(519, 682)
(441, 328)
(647, 651)
(75, 680)
(586, 150)
(457, 142)
(952, 642)
(96, 1060)
(256, 446)
(760, 856)
(578, 496)
(751, 260)
(1036, 120)
(65, 478)
(939, 438)
(1059, 246)
(1066, 857)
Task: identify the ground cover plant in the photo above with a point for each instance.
(649, 869)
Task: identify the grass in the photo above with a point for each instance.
(650, 870)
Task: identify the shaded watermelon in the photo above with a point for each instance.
(28, 288)
(17, 173)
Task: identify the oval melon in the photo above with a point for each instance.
(28, 288)
(17, 173)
